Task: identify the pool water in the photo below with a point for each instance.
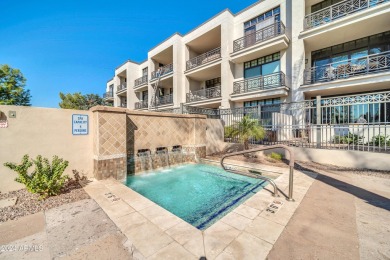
(199, 194)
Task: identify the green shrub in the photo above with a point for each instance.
(381, 140)
(348, 139)
(276, 156)
(46, 180)
(229, 132)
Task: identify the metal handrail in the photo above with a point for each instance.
(338, 10)
(348, 68)
(291, 166)
(162, 71)
(140, 81)
(204, 58)
(263, 82)
(260, 35)
(214, 92)
(121, 86)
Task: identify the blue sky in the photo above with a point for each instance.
(71, 46)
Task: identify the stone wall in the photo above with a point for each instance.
(121, 133)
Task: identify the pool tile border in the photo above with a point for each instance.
(155, 232)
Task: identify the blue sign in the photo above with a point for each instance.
(79, 124)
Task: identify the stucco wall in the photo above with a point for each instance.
(43, 131)
(214, 136)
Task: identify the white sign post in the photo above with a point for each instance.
(79, 124)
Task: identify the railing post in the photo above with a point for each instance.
(318, 119)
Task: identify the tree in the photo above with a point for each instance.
(12, 91)
(80, 101)
(247, 128)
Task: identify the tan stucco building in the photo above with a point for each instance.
(273, 51)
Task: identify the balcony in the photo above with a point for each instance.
(204, 94)
(165, 70)
(267, 40)
(142, 104)
(121, 87)
(204, 58)
(271, 85)
(338, 11)
(108, 95)
(342, 70)
(259, 83)
(338, 23)
(361, 74)
(162, 100)
(141, 81)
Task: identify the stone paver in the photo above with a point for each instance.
(247, 211)
(173, 252)
(217, 237)
(265, 229)
(78, 230)
(323, 227)
(157, 233)
(23, 227)
(8, 202)
(236, 220)
(248, 247)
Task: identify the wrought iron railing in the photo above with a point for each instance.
(348, 68)
(140, 81)
(141, 104)
(108, 94)
(261, 35)
(337, 11)
(259, 83)
(162, 100)
(203, 94)
(204, 58)
(123, 105)
(162, 71)
(121, 86)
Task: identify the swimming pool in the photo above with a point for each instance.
(200, 194)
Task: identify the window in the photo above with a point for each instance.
(352, 50)
(145, 71)
(213, 83)
(324, 4)
(262, 102)
(262, 66)
(252, 23)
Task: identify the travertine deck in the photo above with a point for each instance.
(248, 232)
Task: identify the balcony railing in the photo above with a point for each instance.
(162, 71)
(142, 104)
(162, 100)
(123, 105)
(261, 35)
(259, 83)
(140, 81)
(108, 95)
(121, 86)
(348, 68)
(203, 94)
(204, 58)
(337, 11)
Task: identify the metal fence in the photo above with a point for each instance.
(354, 122)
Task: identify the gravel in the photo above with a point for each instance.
(28, 203)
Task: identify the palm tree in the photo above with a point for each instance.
(247, 128)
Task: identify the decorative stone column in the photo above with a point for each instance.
(109, 143)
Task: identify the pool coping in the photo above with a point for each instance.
(155, 233)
